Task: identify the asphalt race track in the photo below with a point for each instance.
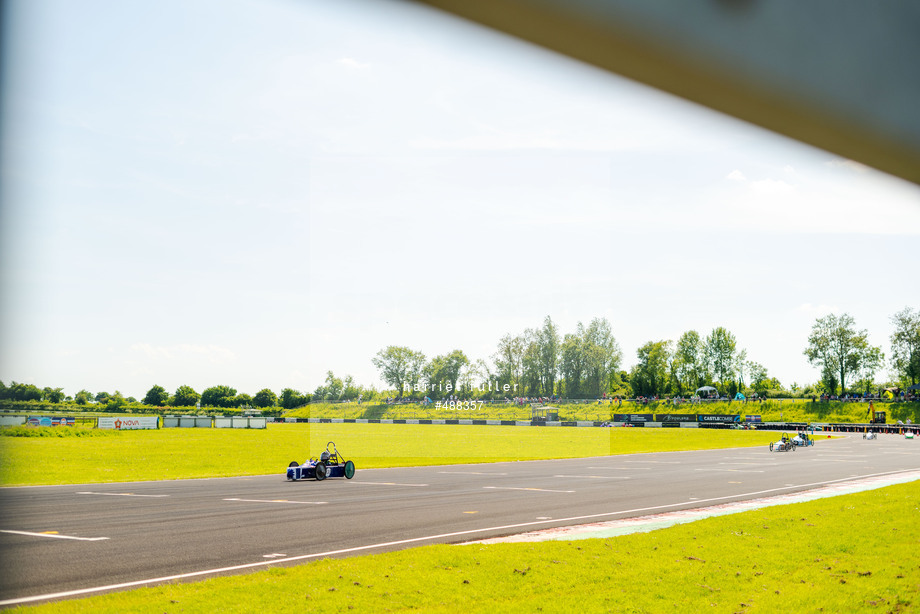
(61, 541)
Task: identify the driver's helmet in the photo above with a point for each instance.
(324, 456)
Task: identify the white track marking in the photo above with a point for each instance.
(55, 536)
(120, 494)
(473, 472)
(390, 484)
(414, 540)
(731, 470)
(624, 468)
(596, 477)
(278, 501)
(657, 462)
(530, 489)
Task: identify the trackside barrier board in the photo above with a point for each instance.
(128, 424)
(12, 420)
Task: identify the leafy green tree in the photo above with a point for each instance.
(548, 344)
(651, 375)
(102, 397)
(291, 399)
(720, 354)
(265, 398)
(573, 365)
(83, 397)
(446, 371)
(531, 363)
(838, 349)
(905, 345)
(156, 396)
(219, 396)
(759, 378)
(334, 387)
(351, 390)
(115, 402)
(602, 355)
(400, 367)
(185, 397)
(509, 362)
(690, 362)
(53, 395)
(871, 361)
(242, 400)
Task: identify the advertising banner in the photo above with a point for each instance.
(675, 417)
(752, 419)
(718, 419)
(122, 423)
(51, 421)
(633, 418)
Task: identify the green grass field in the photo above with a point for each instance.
(787, 410)
(853, 553)
(112, 456)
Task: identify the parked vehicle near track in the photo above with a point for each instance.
(330, 464)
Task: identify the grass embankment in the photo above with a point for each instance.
(118, 456)
(771, 411)
(853, 553)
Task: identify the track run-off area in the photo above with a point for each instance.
(67, 541)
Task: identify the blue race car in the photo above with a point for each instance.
(329, 465)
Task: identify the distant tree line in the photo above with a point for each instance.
(542, 362)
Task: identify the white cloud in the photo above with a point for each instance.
(352, 63)
(185, 351)
(818, 310)
(771, 186)
(736, 175)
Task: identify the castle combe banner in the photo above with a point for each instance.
(121, 423)
(718, 419)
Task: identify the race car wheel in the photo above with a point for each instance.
(320, 471)
(349, 469)
(771, 446)
(294, 464)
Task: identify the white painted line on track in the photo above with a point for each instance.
(413, 540)
(474, 472)
(654, 461)
(278, 501)
(54, 535)
(625, 468)
(731, 470)
(120, 494)
(596, 477)
(389, 484)
(530, 489)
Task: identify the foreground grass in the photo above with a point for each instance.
(196, 453)
(853, 553)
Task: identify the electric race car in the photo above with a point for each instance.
(783, 445)
(329, 465)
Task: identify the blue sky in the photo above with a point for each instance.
(253, 193)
